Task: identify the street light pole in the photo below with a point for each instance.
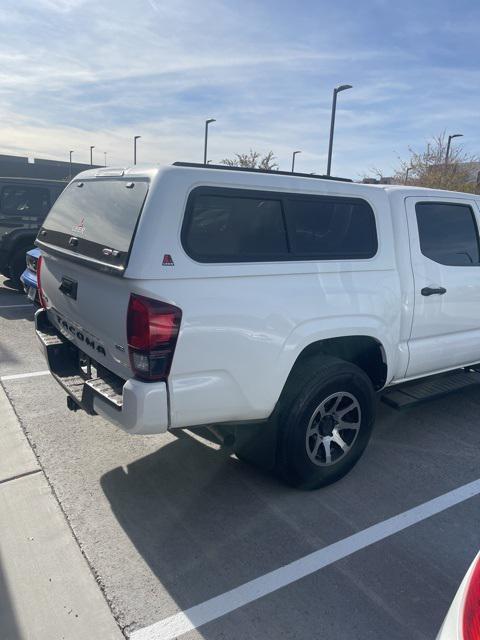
(207, 122)
(406, 174)
(336, 91)
(70, 163)
(91, 154)
(293, 159)
(450, 138)
(135, 138)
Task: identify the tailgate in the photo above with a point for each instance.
(86, 241)
(90, 309)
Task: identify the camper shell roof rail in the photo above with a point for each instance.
(197, 165)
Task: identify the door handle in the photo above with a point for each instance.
(430, 291)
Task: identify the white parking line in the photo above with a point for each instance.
(14, 306)
(17, 376)
(196, 616)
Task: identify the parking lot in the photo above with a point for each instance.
(171, 522)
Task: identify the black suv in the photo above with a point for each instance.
(24, 204)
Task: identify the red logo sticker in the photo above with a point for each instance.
(79, 228)
(167, 260)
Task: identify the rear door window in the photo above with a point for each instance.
(448, 233)
(96, 218)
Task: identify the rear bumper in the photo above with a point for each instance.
(134, 406)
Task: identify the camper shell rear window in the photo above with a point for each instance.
(95, 220)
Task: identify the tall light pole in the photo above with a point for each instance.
(135, 138)
(450, 138)
(293, 159)
(207, 122)
(70, 163)
(342, 87)
(91, 154)
(406, 174)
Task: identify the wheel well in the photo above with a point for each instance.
(19, 244)
(363, 351)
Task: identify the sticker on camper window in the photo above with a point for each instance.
(79, 228)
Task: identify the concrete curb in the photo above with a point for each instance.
(46, 587)
(17, 457)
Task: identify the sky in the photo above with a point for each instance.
(75, 73)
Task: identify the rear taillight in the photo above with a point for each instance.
(152, 331)
(32, 263)
(41, 297)
(471, 606)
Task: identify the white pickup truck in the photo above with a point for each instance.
(269, 307)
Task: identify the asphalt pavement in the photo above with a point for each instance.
(169, 522)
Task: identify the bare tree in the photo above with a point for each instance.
(374, 175)
(430, 167)
(253, 160)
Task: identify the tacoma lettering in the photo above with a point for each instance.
(79, 335)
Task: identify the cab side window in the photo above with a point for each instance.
(448, 233)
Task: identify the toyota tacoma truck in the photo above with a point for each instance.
(268, 307)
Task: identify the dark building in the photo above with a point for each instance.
(23, 167)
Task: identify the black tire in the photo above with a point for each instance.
(301, 460)
(17, 266)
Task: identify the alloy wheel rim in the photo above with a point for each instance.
(333, 428)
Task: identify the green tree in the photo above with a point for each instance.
(252, 160)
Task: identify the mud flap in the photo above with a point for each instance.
(257, 444)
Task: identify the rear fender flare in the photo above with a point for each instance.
(338, 327)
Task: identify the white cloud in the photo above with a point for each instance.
(81, 72)
(62, 6)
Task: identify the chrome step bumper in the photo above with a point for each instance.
(63, 359)
(133, 405)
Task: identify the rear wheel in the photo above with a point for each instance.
(324, 422)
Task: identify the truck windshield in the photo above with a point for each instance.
(92, 217)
